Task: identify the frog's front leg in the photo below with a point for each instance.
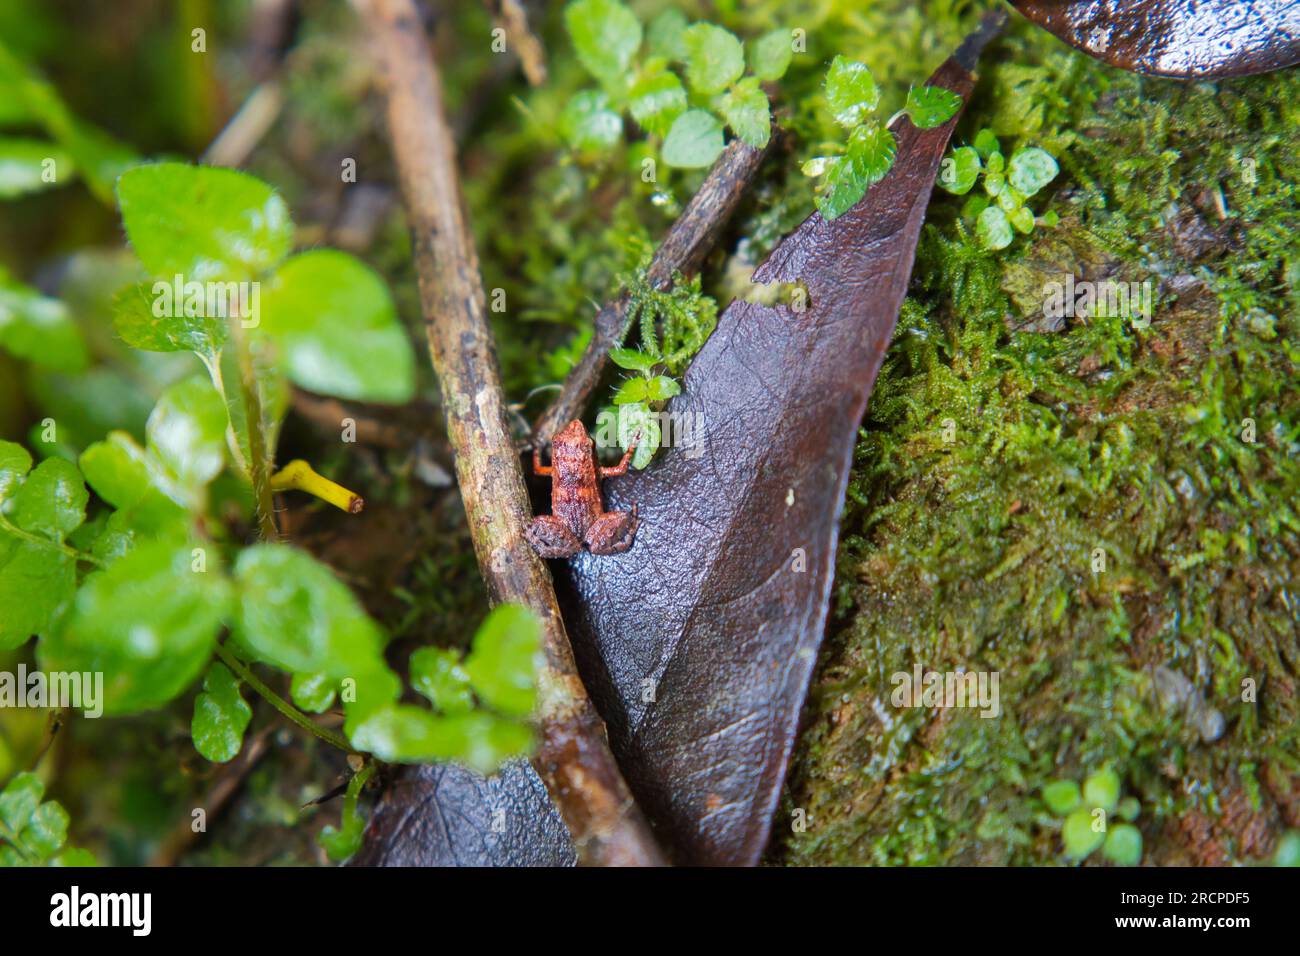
(612, 532)
(551, 537)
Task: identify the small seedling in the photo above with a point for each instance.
(1001, 211)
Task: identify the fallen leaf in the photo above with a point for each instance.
(1180, 38)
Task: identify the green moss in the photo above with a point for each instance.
(994, 463)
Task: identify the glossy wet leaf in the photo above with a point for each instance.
(148, 623)
(221, 716)
(851, 91)
(928, 106)
(715, 58)
(960, 171)
(993, 228)
(313, 693)
(144, 320)
(632, 359)
(337, 328)
(203, 223)
(52, 501)
(187, 433)
(439, 674)
(37, 582)
(24, 164)
(502, 662)
(1184, 38)
(132, 479)
(15, 462)
(1031, 169)
(291, 611)
(406, 734)
(588, 123)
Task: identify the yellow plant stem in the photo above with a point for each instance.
(299, 476)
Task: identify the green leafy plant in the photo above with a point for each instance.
(34, 831)
(1001, 211)
(868, 154)
(636, 78)
(1084, 813)
(672, 325)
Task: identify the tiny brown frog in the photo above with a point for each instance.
(578, 517)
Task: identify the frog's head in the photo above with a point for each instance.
(572, 443)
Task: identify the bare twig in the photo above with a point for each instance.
(513, 18)
(689, 240)
(574, 758)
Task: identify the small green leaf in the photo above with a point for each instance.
(588, 124)
(661, 387)
(631, 391)
(1078, 835)
(1061, 796)
(133, 480)
(338, 328)
(959, 171)
(1050, 218)
(656, 100)
(666, 35)
(746, 111)
(147, 317)
(624, 358)
(1288, 850)
(46, 830)
(75, 856)
(37, 583)
(148, 623)
(994, 183)
(871, 150)
(187, 433)
(770, 55)
(39, 329)
(21, 796)
(52, 501)
(1102, 790)
(1123, 845)
(694, 141)
(294, 613)
(1022, 219)
(851, 91)
(221, 716)
(401, 733)
(841, 188)
(986, 143)
(23, 165)
(502, 663)
(1129, 808)
(439, 675)
(313, 693)
(203, 223)
(715, 58)
(1031, 169)
(637, 422)
(993, 229)
(994, 162)
(15, 462)
(1009, 199)
(606, 35)
(931, 106)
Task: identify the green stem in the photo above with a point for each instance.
(259, 465)
(279, 703)
(71, 552)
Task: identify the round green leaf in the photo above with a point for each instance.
(851, 91)
(203, 223)
(631, 391)
(606, 35)
(147, 317)
(588, 123)
(1031, 169)
(338, 328)
(36, 583)
(15, 462)
(1078, 835)
(745, 108)
(439, 675)
(313, 693)
(220, 716)
(694, 141)
(986, 143)
(405, 734)
(187, 433)
(46, 830)
(666, 36)
(630, 359)
(502, 663)
(147, 623)
(637, 422)
(871, 151)
(21, 796)
(1061, 796)
(993, 229)
(770, 55)
(931, 106)
(1123, 845)
(52, 501)
(1102, 790)
(715, 58)
(960, 170)
(656, 100)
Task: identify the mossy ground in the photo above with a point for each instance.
(972, 547)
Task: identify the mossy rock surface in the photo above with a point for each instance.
(1001, 463)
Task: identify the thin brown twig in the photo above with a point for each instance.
(513, 18)
(683, 250)
(573, 757)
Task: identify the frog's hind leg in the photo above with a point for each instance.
(612, 533)
(551, 537)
